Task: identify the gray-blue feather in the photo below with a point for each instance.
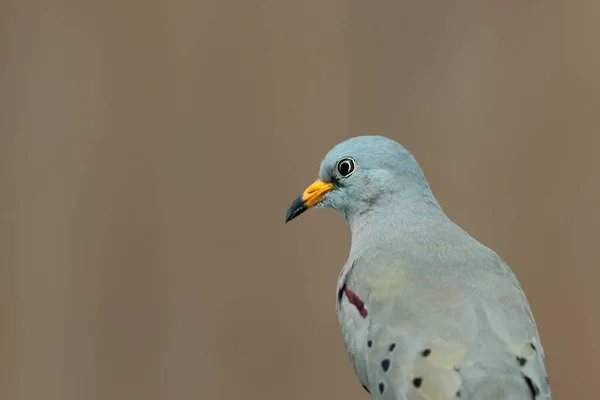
(452, 311)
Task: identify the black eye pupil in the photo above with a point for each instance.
(345, 167)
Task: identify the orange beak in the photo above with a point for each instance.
(312, 196)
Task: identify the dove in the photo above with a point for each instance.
(426, 311)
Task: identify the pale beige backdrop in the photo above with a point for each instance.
(150, 149)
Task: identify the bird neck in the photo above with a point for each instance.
(408, 218)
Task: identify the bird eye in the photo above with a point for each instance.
(345, 167)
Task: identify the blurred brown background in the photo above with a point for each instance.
(149, 151)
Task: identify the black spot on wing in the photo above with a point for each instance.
(385, 365)
(533, 346)
(521, 361)
(417, 382)
(392, 346)
(369, 343)
(381, 387)
(426, 352)
(532, 387)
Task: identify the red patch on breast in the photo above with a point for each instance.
(356, 302)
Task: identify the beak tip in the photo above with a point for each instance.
(297, 208)
(311, 196)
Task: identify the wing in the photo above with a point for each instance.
(456, 329)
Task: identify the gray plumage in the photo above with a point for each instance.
(436, 315)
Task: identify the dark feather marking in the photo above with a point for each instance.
(533, 346)
(343, 287)
(532, 387)
(385, 364)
